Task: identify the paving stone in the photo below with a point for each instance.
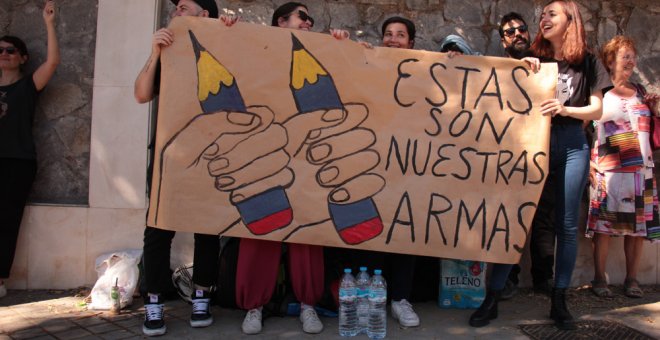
(129, 323)
(39, 315)
(181, 313)
(88, 321)
(525, 308)
(136, 329)
(116, 318)
(15, 323)
(57, 325)
(28, 333)
(103, 328)
(74, 333)
(119, 334)
(89, 337)
(22, 310)
(43, 337)
(5, 313)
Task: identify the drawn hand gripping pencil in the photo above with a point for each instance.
(248, 154)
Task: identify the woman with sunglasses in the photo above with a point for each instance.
(619, 189)
(18, 94)
(293, 15)
(579, 96)
(259, 260)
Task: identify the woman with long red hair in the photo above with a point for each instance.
(578, 98)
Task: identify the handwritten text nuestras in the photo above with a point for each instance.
(464, 139)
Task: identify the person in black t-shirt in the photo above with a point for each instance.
(579, 95)
(158, 242)
(18, 165)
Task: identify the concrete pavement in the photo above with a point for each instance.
(58, 315)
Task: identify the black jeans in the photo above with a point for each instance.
(157, 247)
(16, 178)
(542, 243)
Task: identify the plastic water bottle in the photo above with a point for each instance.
(348, 321)
(377, 328)
(363, 281)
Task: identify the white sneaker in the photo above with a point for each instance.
(3, 290)
(404, 313)
(252, 322)
(310, 321)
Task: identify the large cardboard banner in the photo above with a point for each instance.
(295, 136)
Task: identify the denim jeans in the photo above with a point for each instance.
(569, 161)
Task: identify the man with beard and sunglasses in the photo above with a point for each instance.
(515, 38)
(514, 34)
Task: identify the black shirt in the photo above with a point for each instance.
(576, 83)
(18, 102)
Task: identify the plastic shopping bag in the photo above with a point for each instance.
(121, 267)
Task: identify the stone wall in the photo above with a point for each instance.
(63, 118)
(476, 20)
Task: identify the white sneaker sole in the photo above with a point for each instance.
(251, 331)
(403, 324)
(201, 323)
(313, 331)
(153, 332)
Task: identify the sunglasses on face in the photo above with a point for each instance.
(512, 30)
(9, 50)
(303, 16)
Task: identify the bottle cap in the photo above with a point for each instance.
(378, 272)
(347, 270)
(363, 269)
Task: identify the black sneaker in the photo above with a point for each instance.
(154, 324)
(201, 309)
